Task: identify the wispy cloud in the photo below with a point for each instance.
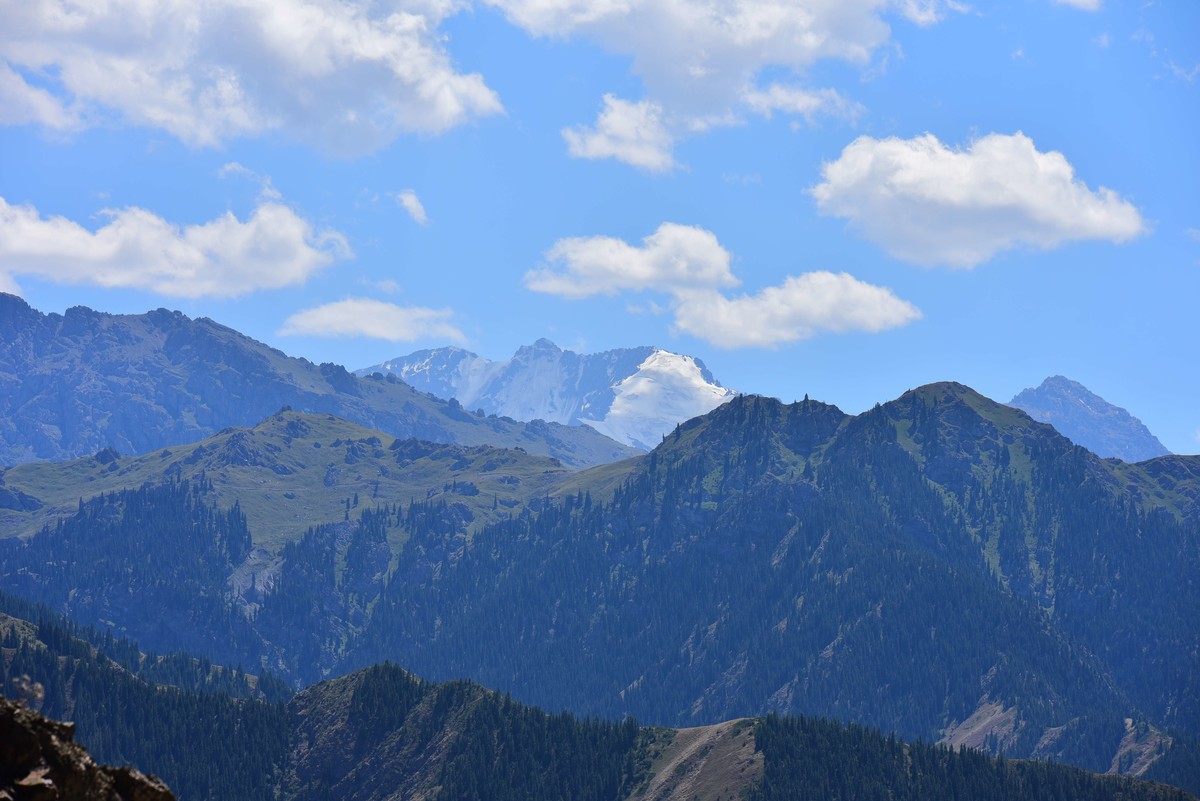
(373, 319)
(409, 201)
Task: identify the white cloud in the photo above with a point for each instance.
(21, 104)
(1085, 5)
(374, 319)
(673, 257)
(266, 188)
(409, 201)
(921, 12)
(701, 63)
(388, 286)
(926, 203)
(1188, 75)
(801, 102)
(135, 248)
(634, 133)
(1102, 40)
(8, 285)
(797, 309)
(348, 77)
(697, 56)
(1194, 233)
(691, 267)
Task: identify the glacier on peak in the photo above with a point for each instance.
(633, 395)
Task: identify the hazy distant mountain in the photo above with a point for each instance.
(76, 383)
(1088, 420)
(634, 395)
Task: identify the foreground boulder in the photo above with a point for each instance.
(40, 761)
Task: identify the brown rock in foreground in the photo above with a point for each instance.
(40, 761)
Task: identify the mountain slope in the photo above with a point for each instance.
(265, 546)
(77, 383)
(633, 395)
(381, 733)
(289, 472)
(941, 566)
(1088, 420)
(128, 708)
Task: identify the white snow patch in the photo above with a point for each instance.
(667, 389)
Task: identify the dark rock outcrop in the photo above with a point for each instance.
(40, 761)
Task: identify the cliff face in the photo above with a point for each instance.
(40, 761)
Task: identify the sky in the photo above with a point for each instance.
(838, 198)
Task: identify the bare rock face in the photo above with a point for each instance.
(1086, 419)
(40, 761)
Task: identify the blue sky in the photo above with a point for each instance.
(844, 198)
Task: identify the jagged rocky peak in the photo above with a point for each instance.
(1088, 420)
(40, 761)
(633, 395)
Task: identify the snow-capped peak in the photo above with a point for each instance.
(633, 395)
(666, 389)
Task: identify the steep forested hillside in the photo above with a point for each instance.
(940, 566)
(382, 733)
(77, 383)
(172, 716)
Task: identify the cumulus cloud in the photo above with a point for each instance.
(634, 133)
(926, 203)
(373, 319)
(673, 257)
(225, 257)
(347, 77)
(1086, 5)
(691, 268)
(409, 201)
(797, 309)
(701, 63)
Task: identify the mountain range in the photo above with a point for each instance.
(81, 382)
(1088, 420)
(941, 566)
(633, 395)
